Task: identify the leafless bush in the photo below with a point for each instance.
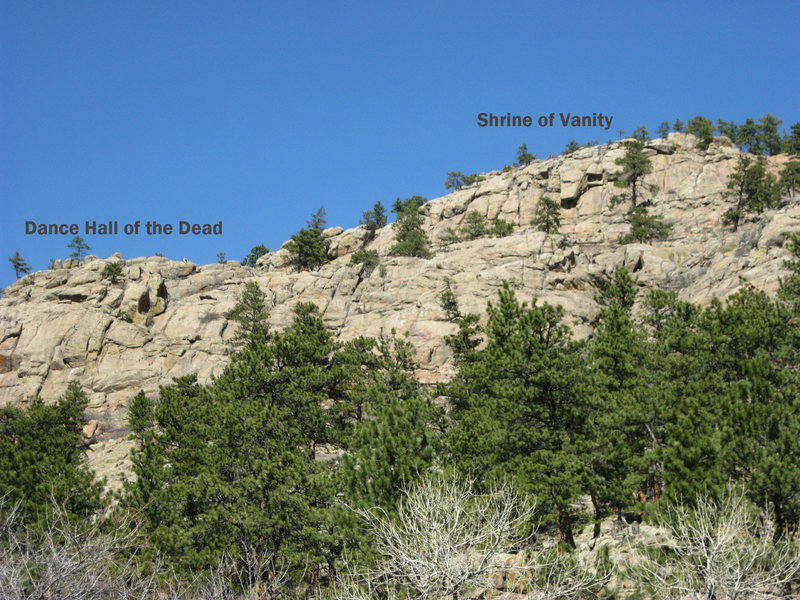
(69, 560)
(77, 560)
(722, 550)
(448, 540)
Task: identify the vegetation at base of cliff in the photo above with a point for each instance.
(298, 463)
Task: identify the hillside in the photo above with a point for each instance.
(165, 319)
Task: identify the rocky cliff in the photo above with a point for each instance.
(163, 319)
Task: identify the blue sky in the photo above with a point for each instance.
(257, 113)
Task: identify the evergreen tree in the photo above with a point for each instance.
(255, 253)
(678, 126)
(524, 157)
(619, 448)
(641, 134)
(19, 265)
(790, 177)
(79, 247)
(307, 248)
(411, 240)
(770, 138)
(703, 129)
(547, 215)
(318, 220)
(474, 226)
(750, 139)
(644, 227)
(663, 129)
(251, 314)
(520, 409)
(635, 165)
(374, 219)
(231, 467)
(455, 179)
(42, 460)
(729, 129)
(753, 188)
(791, 145)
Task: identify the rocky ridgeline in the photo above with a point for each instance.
(164, 319)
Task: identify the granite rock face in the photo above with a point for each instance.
(163, 319)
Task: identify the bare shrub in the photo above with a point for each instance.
(448, 540)
(724, 550)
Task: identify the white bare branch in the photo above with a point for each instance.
(722, 550)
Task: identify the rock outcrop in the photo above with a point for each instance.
(163, 319)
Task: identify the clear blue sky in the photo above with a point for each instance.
(257, 113)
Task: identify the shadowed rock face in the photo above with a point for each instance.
(164, 319)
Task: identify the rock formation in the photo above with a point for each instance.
(163, 319)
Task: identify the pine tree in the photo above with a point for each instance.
(307, 248)
(520, 410)
(255, 253)
(251, 314)
(524, 157)
(547, 215)
(474, 226)
(41, 458)
(19, 265)
(79, 247)
(621, 413)
(411, 240)
(374, 219)
(635, 165)
(703, 129)
(770, 138)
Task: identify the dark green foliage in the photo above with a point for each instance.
(791, 144)
(641, 134)
(251, 314)
(519, 408)
(678, 126)
(255, 253)
(374, 219)
(729, 129)
(524, 157)
(663, 129)
(449, 302)
(635, 165)
(230, 467)
(619, 458)
(703, 129)
(572, 146)
(770, 138)
(547, 215)
(474, 226)
(790, 177)
(318, 220)
(222, 258)
(645, 227)
(749, 138)
(369, 258)
(501, 228)
(113, 271)
(391, 448)
(753, 188)
(19, 265)
(457, 180)
(79, 247)
(41, 458)
(307, 248)
(411, 240)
